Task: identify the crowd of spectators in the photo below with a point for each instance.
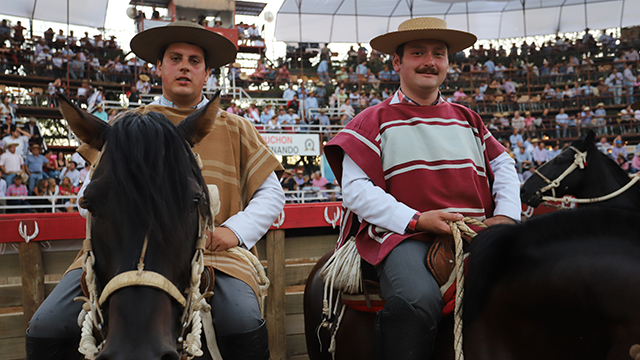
(27, 170)
(300, 187)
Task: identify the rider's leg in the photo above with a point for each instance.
(237, 320)
(53, 331)
(409, 321)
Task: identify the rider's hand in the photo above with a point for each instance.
(221, 239)
(498, 219)
(435, 222)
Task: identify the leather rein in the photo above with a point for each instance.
(579, 161)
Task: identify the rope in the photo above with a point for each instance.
(456, 228)
(263, 280)
(594, 200)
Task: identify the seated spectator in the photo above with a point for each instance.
(50, 168)
(61, 40)
(342, 75)
(374, 99)
(18, 190)
(67, 189)
(321, 92)
(459, 95)
(635, 163)
(300, 179)
(287, 182)
(527, 174)
(265, 117)
(523, 159)
(143, 85)
(372, 79)
(259, 73)
(293, 104)
(302, 92)
(622, 161)
(515, 138)
(540, 154)
(341, 96)
(11, 162)
(353, 77)
(325, 125)
(298, 125)
(311, 102)
(40, 189)
(517, 123)
(253, 114)
(272, 124)
(233, 109)
(384, 75)
(283, 74)
(133, 94)
(478, 97)
(346, 112)
(71, 172)
(587, 118)
(283, 117)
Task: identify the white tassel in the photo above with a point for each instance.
(343, 269)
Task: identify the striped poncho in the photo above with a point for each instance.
(429, 158)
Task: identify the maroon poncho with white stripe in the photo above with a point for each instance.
(427, 157)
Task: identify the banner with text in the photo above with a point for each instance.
(293, 144)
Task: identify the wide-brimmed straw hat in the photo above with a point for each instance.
(423, 28)
(219, 50)
(144, 77)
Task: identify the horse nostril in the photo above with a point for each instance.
(170, 355)
(523, 191)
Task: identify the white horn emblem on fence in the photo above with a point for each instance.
(336, 218)
(22, 229)
(280, 220)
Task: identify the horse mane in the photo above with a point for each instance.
(151, 161)
(501, 250)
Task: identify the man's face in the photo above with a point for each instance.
(423, 67)
(184, 73)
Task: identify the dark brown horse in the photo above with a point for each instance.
(560, 286)
(147, 200)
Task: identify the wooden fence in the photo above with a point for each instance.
(29, 270)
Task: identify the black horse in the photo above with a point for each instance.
(147, 201)
(595, 176)
(560, 286)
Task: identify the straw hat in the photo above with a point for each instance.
(600, 104)
(236, 65)
(243, 76)
(219, 50)
(10, 144)
(423, 28)
(586, 108)
(144, 77)
(320, 83)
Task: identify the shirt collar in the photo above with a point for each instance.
(400, 98)
(163, 101)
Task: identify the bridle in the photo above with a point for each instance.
(579, 161)
(189, 341)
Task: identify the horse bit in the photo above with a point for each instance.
(579, 161)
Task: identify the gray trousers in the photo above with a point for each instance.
(404, 273)
(235, 309)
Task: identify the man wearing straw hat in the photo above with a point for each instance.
(235, 159)
(406, 167)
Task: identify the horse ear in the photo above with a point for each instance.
(590, 138)
(197, 125)
(89, 128)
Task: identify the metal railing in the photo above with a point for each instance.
(55, 202)
(312, 195)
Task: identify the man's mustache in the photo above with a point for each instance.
(428, 70)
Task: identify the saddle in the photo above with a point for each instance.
(440, 261)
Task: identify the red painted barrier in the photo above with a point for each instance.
(71, 226)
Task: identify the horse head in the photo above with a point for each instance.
(562, 175)
(149, 207)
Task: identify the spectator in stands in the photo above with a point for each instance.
(294, 115)
(265, 117)
(49, 34)
(96, 98)
(297, 126)
(253, 114)
(361, 69)
(587, 118)
(318, 180)
(294, 103)
(283, 117)
(287, 182)
(112, 114)
(18, 35)
(31, 127)
(321, 92)
(259, 73)
(300, 179)
(523, 159)
(374, 99)
(618, 148)
(71, 172)
(272, 124)
(629, 79)
(372, 79)
(311, 101)
(459, 95)
(323, 71)
(342, 75)
(155, 14)
(518, 122)
(101, 113)
(11, 162)
(283, 74)
(562, 123)
(50, 168)
(325, 124)
(233, 109)
(289, 93)
(133, 95)
(20, 137)
(67, 189)
(76, 68)
(34, 166)
(384, 75)
(540, 154)
(346, 112)
(302, 92)
(17, 189)
(515, 139)
(143, 85)
(353, 77)
(5, 32)
(635, 163)
(615, 82)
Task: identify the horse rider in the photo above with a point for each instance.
(235, 158)
(406, 167)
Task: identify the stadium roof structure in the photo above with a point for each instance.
(356, 21)
(76, 12)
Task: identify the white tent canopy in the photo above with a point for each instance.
(361, 20)
(90, 13)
